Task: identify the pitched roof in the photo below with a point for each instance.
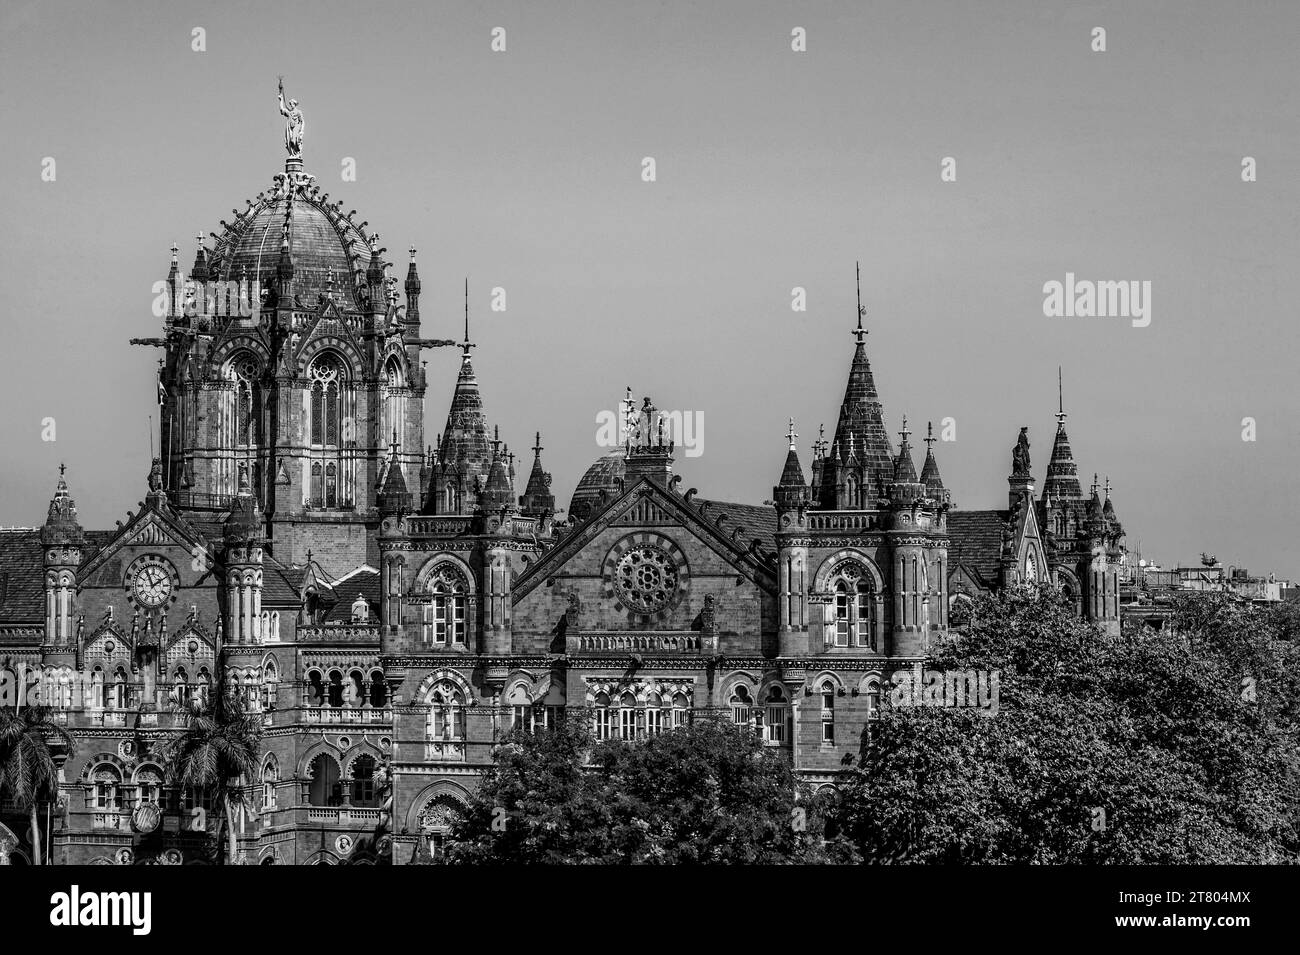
(975, 541)
(861, 421)
(343, 594)
(759, 520)
(22, 575)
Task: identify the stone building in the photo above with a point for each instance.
(390, 607)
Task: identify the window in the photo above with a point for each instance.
(774, 724)
(742, 706)
(315, 689)
(324, 789)
(627, 717)
(681, 710)
(873, 700)
(654, 719)
(317, 484)
(148, 782)
(520, 708)
(394, 401)
(436, 820)
(828, 712)
(378, 689)
(855, 607)
(107, 788)
(117, 692)
(603, 726)
(325, 375)
(445, 613)
(336, 688)
(180, 688)
(445, 730)
(270, 685)
(270, 776)
(363, 781)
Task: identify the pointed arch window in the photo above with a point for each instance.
(776, 716)
(270, 777)
(326, 376)
(742, 705)
(445, 613)
(445, 729)
(602, 717)
(394, 401)
(828, 711)
(854, 607)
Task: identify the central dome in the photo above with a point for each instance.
(607, 474)
(322, 239)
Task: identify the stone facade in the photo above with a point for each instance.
(392, 609)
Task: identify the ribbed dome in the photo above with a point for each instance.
(604, 475)
(321, 238)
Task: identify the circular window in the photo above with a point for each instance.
(646, 578)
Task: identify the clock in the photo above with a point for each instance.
(152, 584)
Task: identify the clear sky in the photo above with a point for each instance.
(775, 169)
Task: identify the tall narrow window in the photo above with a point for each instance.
(627, 717)
(742, 705)
(854, 624)
(331, 485)
(828, 712)
(445, 730)
(602, 717)
(445, 613)
(774, 724)
(317, 485)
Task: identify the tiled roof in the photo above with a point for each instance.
(975, 541)
(22, 572)
(759, 520)
(343, 593)
(280, 584)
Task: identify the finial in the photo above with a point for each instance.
(791, 435)
(392, 448)
(537, 447)
(929, 437)
(859, 332)
(1108, 487)
(412, 251)
(62, 468)
(175, 250)
(198, 238)
(466, 345)
(1060, 398)
(1094, 483)
(905, 432)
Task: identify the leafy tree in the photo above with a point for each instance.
(218, 753)
(1171, 747)
(707, 793)
(27, 768)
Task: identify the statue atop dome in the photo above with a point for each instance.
(293, 126)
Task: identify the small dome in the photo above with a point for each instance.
(316, 244)
(604, 475)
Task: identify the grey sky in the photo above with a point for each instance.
(775, 169)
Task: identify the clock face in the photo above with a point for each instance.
(152, 585)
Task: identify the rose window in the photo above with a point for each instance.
(646, 578)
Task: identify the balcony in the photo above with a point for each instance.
(346, 715)
(108, 717)
(343, 815)
(340, 633)
(842, 521)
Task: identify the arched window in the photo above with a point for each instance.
(776, 716)
(873, 699)
(148, 782)
(203, 687)
(436, 821)
(378, 689)
(602, 717)
(238, 421)
(394, 398)
(445, 613)
(326, 376)
(654, 714)
(828, 711)
(117, 693)
(445, 730)
(180, 688)
(960, 608)
(336, 688)
(324, 789)
(331, 485)
(97, 688)
(270, 777)
(742, 705)
(317, 484)
(520, 708)
(627, 717)
(356, 694)
(681, 710)
(855, 607)
(363, 781)
(108, 782)
(1031, 568)
(270, 685)
(315, 689)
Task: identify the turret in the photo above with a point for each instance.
(244, 541)
(412, 289)
(538, 501)
(62, 540)
(792, 498)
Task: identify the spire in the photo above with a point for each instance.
(499, 493)
(930, 470)
(1062, 482)
(412, 292)
(61, 524)
(792, 473)
(861, 415)
(463, 454)
(200, 271)
(538, 501)
(904, 468)
(393, 497)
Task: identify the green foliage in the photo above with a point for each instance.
(707, 793)
(218, 753)
(1147, 748)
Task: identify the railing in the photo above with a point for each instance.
(335, 715)
(342, 814)
(622, 642)
(339, 633)
(445, 752)
(110, 820)
(108, 717)
(841, 521)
